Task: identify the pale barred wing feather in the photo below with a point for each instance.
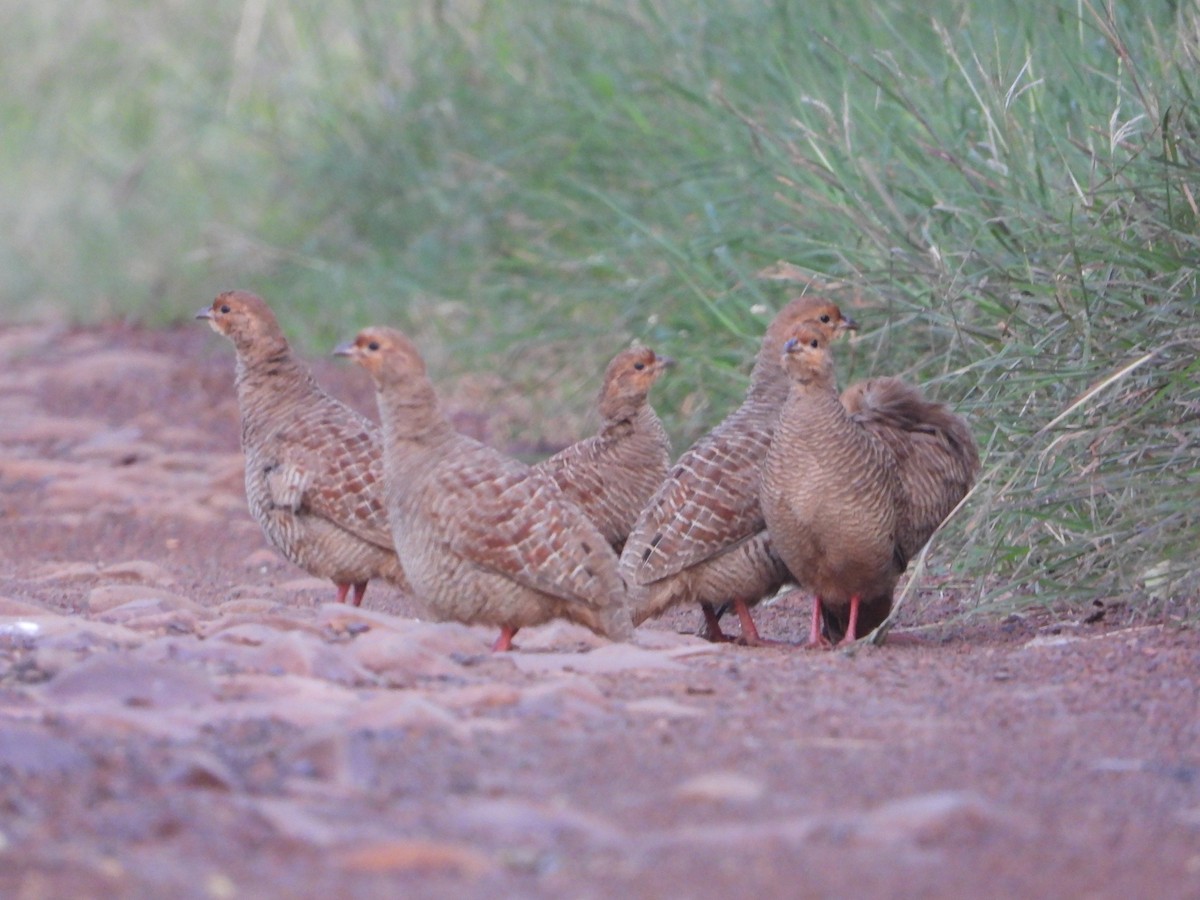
(336, 454)
(708, 504)
(286, 485)
(502, 516)
(584, 473)
(612, 478)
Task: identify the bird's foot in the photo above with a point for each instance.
(754, 640)
(712, 626)
(504, 642)
(750, 636)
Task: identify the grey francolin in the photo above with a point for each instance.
(612, 475)
(702, 538)
(484, 538)
(314, 467)
(853, 487)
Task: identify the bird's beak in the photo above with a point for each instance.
(666, 362)
(204, 313)
(848, 324)
(346, 349)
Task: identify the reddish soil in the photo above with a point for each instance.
(184, 714)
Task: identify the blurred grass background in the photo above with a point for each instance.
(1004, 194)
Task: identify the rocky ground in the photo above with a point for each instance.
(184, 714)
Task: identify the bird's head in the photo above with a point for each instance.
(806, 356)
(628, 379)
(387, 354)
(242, 317)
(819, 312)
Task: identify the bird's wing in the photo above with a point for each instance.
(329, 464)
(585, 473)
(707, 505)
(503, 516)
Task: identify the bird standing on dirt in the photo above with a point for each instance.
(613, 474)
(314, 467)
(852, 487)
(484, 538)
(702, 538)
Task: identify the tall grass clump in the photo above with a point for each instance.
(1005, 195)
(1018, 192)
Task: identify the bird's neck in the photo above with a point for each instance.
(271, 382)
(768, 384)
(614, 409)
(411, 417)
(623, 418)
(821, 420)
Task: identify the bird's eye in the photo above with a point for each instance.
(814, 343)
(639, 366)
(374, 345)
(225, 308)
(825, 318)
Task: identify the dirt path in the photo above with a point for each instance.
(183, 714)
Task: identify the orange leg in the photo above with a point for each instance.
(359, 590)
(749, 631)
(342, 590)
(815, 639)
(852, 628)
(504, 642)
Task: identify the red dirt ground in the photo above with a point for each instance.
(184, 714)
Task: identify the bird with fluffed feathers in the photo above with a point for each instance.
(853, 486)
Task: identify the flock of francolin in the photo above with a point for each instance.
(796, 486)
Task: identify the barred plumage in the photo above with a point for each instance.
(934, 449)
(702, 538)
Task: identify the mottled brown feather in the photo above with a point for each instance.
(612, 475)
(484, 538)
(314, 467)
